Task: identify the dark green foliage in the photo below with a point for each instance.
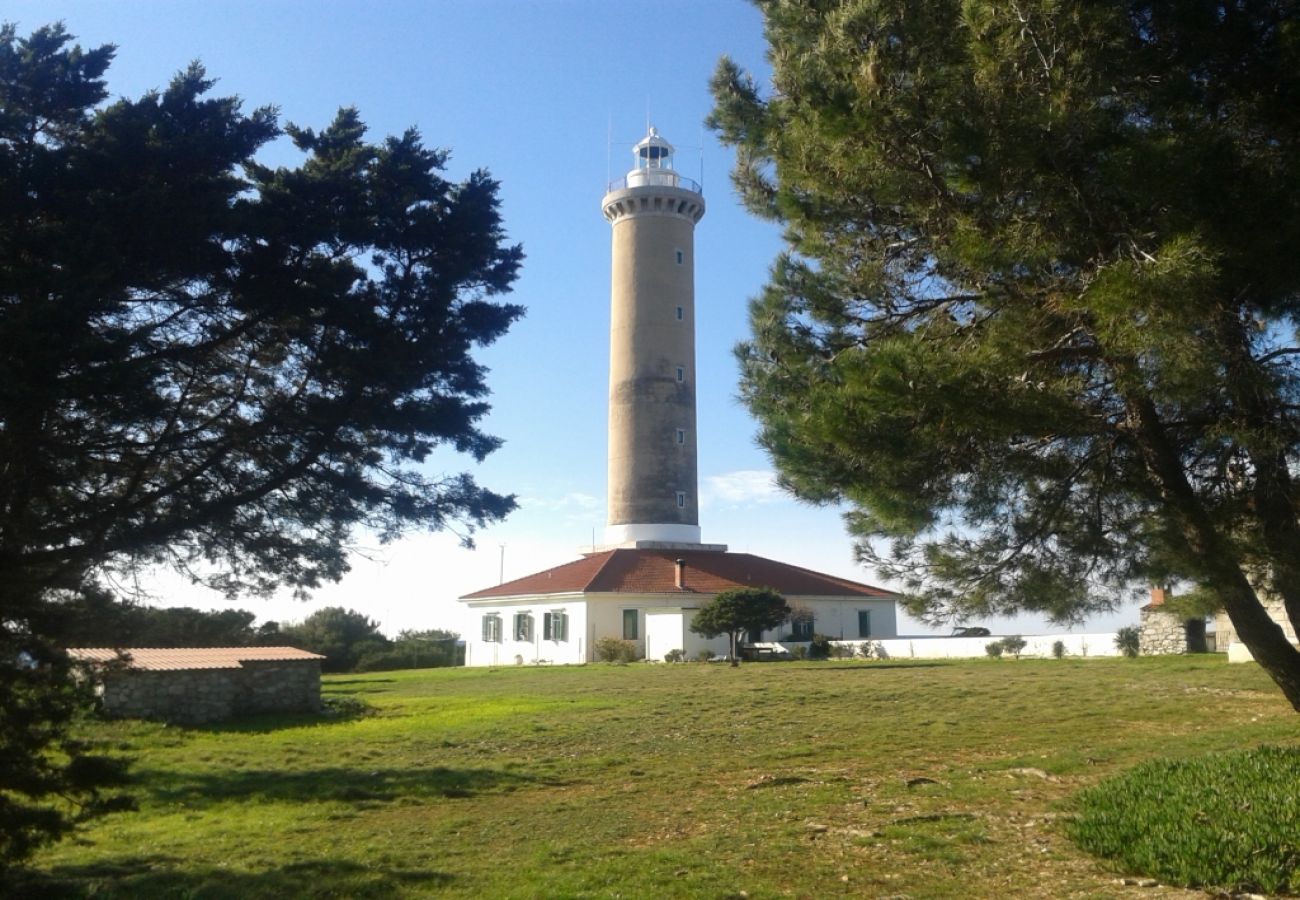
(1229, 821)
(251, 362)
(1058, 649)
(94, 618)
(994, 649)
(819, 647)
(738, 611)
(1036, 325)
(430, 649)
(50, 780)
(342, 636)
(212, 364)
(1129, 640)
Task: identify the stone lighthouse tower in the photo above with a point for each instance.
(653, 486)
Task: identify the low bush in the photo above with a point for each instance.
(676, 655)
(1058, 649)
(1229, 821)
(705, 655)
(799, 651)
(819, 647)
(994, 649)
(613, 650)
(1129, 639)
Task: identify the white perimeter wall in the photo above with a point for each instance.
(1098, 644)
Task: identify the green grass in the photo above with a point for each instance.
(821, 779)
(1227, 820)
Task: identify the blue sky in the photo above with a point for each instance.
(549, 96)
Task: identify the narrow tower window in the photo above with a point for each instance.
(681, 439)
(681, 499)
(681, 257)
(681, 313)
(681, 374)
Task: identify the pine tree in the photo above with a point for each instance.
(214, 364)
(1036, 324)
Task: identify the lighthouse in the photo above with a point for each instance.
(653, 484)
(644, 588)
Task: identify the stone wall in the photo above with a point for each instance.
(1227, 635)
(193, 696)
(1162, 632)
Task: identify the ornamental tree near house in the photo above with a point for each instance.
(738, 611)
(212, 361)
(1037, 321)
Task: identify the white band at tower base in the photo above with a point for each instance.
(616, 535)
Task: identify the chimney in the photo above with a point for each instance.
(681, 574)
(1158, 595)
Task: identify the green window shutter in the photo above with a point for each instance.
(548, 631)
(563, 621)
(864, 623)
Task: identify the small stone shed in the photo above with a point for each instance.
(203, 684)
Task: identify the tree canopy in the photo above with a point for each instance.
(738, 611)
(216, 364)
(1036, 323)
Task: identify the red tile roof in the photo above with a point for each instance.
(160, 659)
(627, 571)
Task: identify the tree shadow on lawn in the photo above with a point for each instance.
(173, 877)
(882, 665)
(196, 790)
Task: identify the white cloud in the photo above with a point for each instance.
(744, 487)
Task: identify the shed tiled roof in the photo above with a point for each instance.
(161, 659)
(629, 571)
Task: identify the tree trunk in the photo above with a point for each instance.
(1218, 565)
(735, 659)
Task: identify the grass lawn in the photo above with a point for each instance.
(923, 780)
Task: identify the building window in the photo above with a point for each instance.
(801, 628)
(681, 257)
(555, 626)
(524, 627)
(629, 625)
(681, 499)
(864, 623)
(492, 628)
(681, 374)
(681, 436)
(681, 313)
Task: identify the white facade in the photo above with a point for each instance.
(661, 624)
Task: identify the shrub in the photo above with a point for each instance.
(705, 655)
(1228, 821)
(844, 651)
(610, 649)
(800, 651)
(819, 647)
(994, 649)
(1129, 639)
(1014, 644)
(1058, 649)
(676, 655)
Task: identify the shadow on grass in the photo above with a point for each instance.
(197, 790)
(880, 665)
(171, 877)
(329, 681)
